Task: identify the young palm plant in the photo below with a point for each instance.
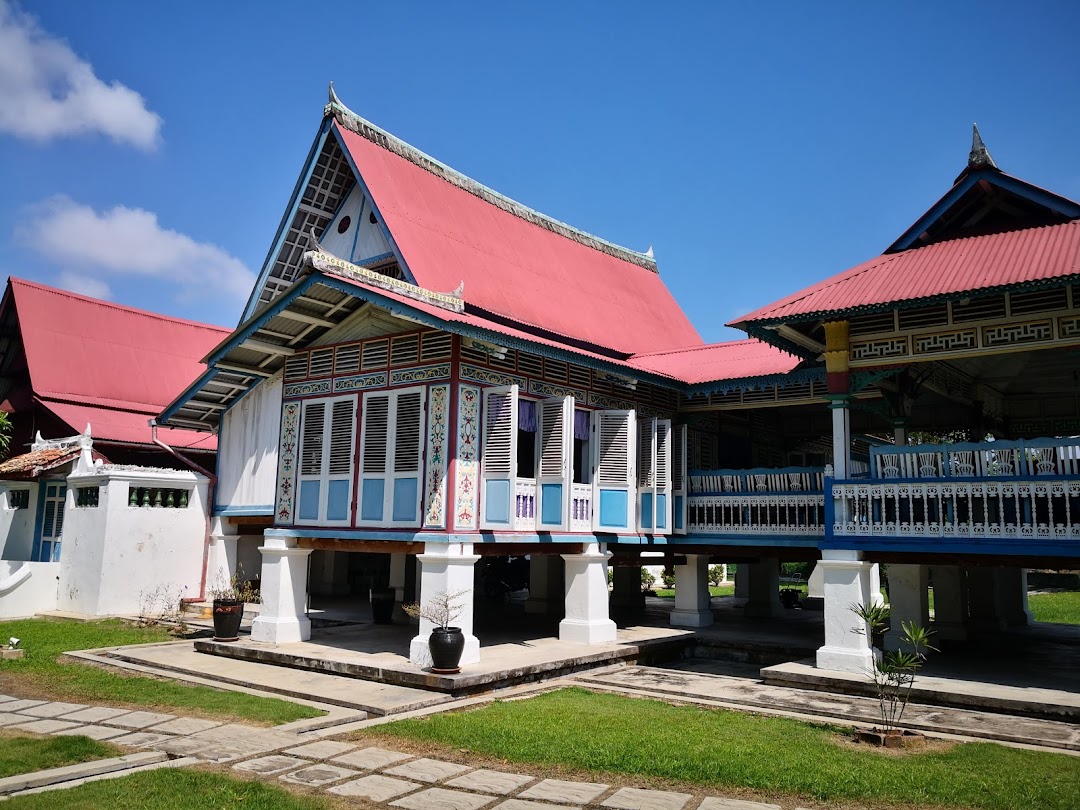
(893, 673)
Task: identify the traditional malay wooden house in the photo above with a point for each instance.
(427, 369)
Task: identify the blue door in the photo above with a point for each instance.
(47, 547)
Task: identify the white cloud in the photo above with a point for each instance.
(93, 246)
(84, 285)
(47, 91)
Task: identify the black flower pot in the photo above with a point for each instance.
(446, 645)
(227, 616)
(382, 605)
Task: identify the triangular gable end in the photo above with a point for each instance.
(985, 200)
(326, 193)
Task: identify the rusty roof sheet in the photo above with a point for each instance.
(32, 464)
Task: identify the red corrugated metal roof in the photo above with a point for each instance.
(111, 425)
(734, 360)
(107, 356)
(513, 267)
(947, 268)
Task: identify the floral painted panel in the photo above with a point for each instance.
(467, 466)
(290, 424)
(437, 445)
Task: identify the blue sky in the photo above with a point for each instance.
(147, 150)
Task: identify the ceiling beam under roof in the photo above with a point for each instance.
(795, 336)
(251, 371)
(266, 348)
(305, 318)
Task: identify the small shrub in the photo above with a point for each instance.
(647, 580)
(716, 574)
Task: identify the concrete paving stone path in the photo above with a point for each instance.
(376, 774)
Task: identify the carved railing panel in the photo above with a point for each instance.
(754, 514)
(581, 507)
(525, 505)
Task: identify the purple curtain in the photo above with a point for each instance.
(581, 425)
(526, 416)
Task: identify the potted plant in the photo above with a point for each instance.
(445, 643)
(892, 673)
(229, 600)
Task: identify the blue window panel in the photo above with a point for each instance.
(551, 504)
(646, 510)
(50, 491)
(405, 498)
(337, 500)
(661, 511)
(613, 503)
(55, 557)
(371, 499)
(678, 512)
(497, 501)
(309, 501)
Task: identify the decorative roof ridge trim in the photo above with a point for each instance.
(758, 327)
(365, 129)
(328, 263)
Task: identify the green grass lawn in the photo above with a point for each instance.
(1061, 608)
(715, 590)
(41, 675)
(174, 789)
(25, 754)
(773, 755)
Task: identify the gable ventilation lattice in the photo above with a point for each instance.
(508, 363)
(937, 315)
(978, 309)
(331, 179)
(1022, 303)
(530, 365)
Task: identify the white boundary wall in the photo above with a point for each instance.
(27, 588)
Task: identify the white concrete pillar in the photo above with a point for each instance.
(742, 585)
(950, 603)
(985, 613)
(447, 568)
(841, 436)
(846, 582)
(764, 598)
(586, 597)
(396, 580)
(908, 601)
(692, 593)
(723, 574)
(875, 585)
(626, 593)
(545, 584)
(1012, 596)
(282, 618)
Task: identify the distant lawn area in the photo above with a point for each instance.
(25, 754)
(41, 675)
(173, 789)
(714, 590)
(1062, 607)
(779, 758)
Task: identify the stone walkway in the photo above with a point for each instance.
(341, 768)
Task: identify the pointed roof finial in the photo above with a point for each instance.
(650, 252)
(333, 96)
(980, 155)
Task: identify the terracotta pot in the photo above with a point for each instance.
(227, 616)
(446, 645)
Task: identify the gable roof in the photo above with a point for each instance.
(1035, 257)
(445, 229)
(111, 365)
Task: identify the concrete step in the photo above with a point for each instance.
(375, 699)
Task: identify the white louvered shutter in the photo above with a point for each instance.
(680, 504)
(403, 498)
(390, 458)
(554, 456)
(613, 443)
(327, 437)
(646, 473)
(340, 461)
(309, 480)
(498, 457)
(662, 476)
